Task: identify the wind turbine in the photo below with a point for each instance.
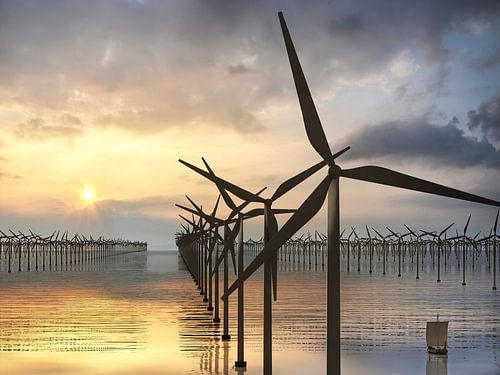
(270, 228)
(494, 236)
(329, 186)
(206, 261)
(418, 244)
(384, 253)
(440, 246)
(462, 240)
(229, 237)
(399, 237)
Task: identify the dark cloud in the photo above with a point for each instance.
(487, 118)
(377, 30)
(419, 139)
(488, 62)
(36, 130)
(349, 25)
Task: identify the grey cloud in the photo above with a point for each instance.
(488, 62)
(238, 68)
(206, 111)
(68, 119)
(35, 129)
(348, 25)
(378, 29)
(419, 139)
(487, 118)
(139, 51)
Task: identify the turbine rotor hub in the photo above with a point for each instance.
(334, 171)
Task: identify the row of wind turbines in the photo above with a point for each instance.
(33, 252)
(412, 247)
(199, 242)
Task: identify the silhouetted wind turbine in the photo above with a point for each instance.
(418, 245)
(440, 246)
(495, 253)
(384, 254)
(399, 237)
(463, 239)
(329, 186)
(270, 228)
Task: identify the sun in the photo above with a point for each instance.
(88, 196)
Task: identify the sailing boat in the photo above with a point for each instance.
(437, 337)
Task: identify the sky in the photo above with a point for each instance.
(106, 96)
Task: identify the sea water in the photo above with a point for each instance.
(141, 313)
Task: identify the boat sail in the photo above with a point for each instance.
(437, 337)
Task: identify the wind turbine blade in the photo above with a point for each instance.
(445, 230)
(412, 232)
(227, 199)
(238, 209)
(187, 221)
(382, 237)
(394, 234)
(216, 206)
(272, 230)
(187, 209)
(228, 246)
(289, 184)
(467, 224)
(236, 190)
(300, 218)
(495, 226)
(211, 247)
(234, 234)
(389, 177)
(193, 204)
(430, 233)
(312, 123)
(253, 213)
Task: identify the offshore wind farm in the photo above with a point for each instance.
(366, 242)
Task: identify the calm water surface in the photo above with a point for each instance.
(141, 314)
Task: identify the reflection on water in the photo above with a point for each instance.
(141, 313)
(437, 365)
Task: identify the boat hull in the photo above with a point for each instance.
(433, 350)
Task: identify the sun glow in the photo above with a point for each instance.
(88, 196)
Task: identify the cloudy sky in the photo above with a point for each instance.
(107, 95)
